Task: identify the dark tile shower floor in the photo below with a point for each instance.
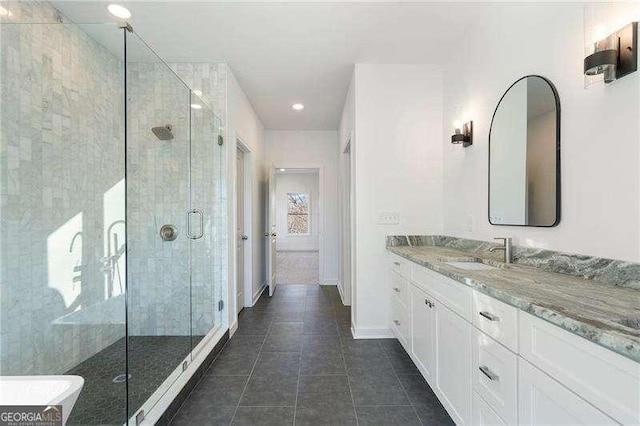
(151, 359)
(293, 361)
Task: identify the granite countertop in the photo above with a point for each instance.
(603, 313)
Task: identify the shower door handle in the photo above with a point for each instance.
(200, 233)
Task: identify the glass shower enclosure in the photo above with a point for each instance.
(111, 204)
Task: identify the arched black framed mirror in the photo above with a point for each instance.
(524, 155)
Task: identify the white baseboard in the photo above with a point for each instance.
(330, 282)
(371, 333)
(173, 387)
(258, 293)
(233, 328)
(341, 291)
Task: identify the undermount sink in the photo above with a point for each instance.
(472, 266)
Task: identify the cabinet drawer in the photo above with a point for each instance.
(607, 380)
(400, 321)
(483, 415)
(497, 319)
(543, 401)
(454, 295)
(400, 265)
(400, 288)
(495, 376)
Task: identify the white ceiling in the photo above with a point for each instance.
(283, 53)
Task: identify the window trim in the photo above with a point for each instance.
(308, 214)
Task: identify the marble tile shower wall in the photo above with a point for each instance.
(61, 160)
(159, 192)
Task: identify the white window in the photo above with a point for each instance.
(297, 213)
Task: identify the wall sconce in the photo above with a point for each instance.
(614, 55)
(462, 133)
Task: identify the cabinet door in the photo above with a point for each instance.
(543, 401)
(453, 370)
(423, 332)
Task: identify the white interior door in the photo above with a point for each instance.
(240, 235)
(270, 231)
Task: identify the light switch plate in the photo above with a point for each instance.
(388, 218)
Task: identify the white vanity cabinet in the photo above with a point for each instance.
(453, 363)
(490, 363)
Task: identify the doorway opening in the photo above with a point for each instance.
(243, 227)
(298, 219)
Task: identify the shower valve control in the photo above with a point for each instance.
(168, 232)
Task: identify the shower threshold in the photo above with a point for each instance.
(151, 360)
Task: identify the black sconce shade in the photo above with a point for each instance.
(619, 61)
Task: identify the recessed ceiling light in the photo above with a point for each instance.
(119, 11)
(283, 170)
(197, 92)
(297, 107)
(196, 106)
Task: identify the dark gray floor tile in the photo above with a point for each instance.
(320, 326)
(277, 363)
(283, 343)
(270, 391)
(290, 316)
(322, 363)
(286, 328)
(319, 391)
(398, 357)
(388, 415)
(220, 390)
(234, 363)
(326, 415)
(264, 416)
(417, 388)
(197, 412)
(370, 347)
(319, 316)
(362, 363)
(321, 344)
(247, 341)
(424, 400)
(433, 413)
(377, 388)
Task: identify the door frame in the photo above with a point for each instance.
(347, 225)
(247, 285)
(321, 245)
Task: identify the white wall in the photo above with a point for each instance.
(244, 124)
(309, 149)
(398, 167)
(307, 183)
(599, 140)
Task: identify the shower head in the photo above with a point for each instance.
(163, 133)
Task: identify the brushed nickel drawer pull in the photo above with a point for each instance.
(396, 263)
(396, 322)
(396, 289)
(489, 316)
(490, 374)
(428, 302)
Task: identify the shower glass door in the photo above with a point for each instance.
(160, 225)
(204, 199)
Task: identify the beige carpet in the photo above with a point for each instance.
(297, 267)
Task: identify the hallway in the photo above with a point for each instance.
(297, 267)
(293, 361)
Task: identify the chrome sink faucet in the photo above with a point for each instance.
(506, 247)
